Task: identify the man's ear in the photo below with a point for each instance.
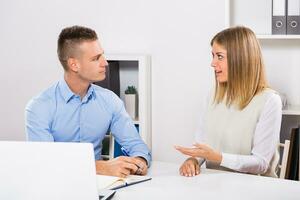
(73, 64)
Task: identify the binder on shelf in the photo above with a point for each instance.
(279, 17)
(293, 17)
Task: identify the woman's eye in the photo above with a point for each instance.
(220, 57)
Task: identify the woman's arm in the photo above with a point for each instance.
(266, 138)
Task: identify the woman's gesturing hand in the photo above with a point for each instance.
(201, 151)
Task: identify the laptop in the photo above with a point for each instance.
(48, 171)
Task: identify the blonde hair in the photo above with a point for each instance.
(246, 71)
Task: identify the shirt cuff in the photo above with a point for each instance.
(201, 162)
(146, 157)
(229, 161)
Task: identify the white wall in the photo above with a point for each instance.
(176, 33)
(283, 67)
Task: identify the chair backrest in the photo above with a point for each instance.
(284, 158)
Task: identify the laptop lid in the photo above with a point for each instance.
(47, 171)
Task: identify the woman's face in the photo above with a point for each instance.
(219, 62)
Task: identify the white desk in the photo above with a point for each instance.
(167, 184)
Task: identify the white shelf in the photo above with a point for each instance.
(136, 121)
(232, 7)
(110, 147)
(291, 110)
(135, 70)
(143, 73)
(279, 37)
(105, 156)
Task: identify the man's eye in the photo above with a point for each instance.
(97, 58)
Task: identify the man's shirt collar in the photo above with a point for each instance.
(67, 93)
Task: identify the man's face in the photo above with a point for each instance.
(91, 62)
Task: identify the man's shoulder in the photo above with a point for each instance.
(45, 98)
(103, 92)
(108, 97)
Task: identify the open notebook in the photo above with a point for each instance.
(113, 182)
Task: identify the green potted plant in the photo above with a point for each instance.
(131, 101)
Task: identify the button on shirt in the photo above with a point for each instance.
(59, 115)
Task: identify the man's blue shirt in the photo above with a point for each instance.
(59, 115)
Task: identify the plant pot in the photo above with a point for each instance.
(131, 105)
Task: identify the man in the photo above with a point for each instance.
(75, 110)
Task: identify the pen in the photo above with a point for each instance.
(139, 170)
(124, 151)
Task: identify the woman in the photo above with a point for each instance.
(240, 128)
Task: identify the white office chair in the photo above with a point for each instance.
(284, 158)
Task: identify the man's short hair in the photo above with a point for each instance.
(68, 41)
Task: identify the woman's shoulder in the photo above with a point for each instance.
(268, 93)
(271, 97)
(267, 97)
